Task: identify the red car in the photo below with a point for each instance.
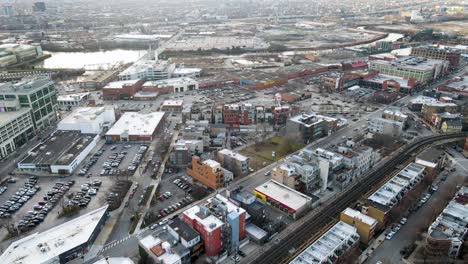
(161, 198)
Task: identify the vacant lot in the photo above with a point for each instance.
(269, 151)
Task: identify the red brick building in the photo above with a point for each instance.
(121, 89)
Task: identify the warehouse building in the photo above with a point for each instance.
(284, 198)
(133, 126)
(89, 120)
(438, 53)
(335, 246)
(61, 244)
(148, 70)
(60, 153)
(99, 79)
(121, 89)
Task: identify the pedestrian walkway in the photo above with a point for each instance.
(114, 243)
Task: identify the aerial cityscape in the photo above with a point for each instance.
(233, 131)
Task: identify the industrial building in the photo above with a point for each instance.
(133, 126)
(61, 244)
(234, 162)
(446, 236)
(220, 223)
(36, 93)
(423, 70)
(187, 72)
(121, 89)
(207, 172)
(98, 80)
(11, 54)
(172, 106)
(381, 202)
(89, 120)
(172, 85)
(310, 127)
(60, 153)
(438, 53)
(16, 128)
(284, 198)
(335, 246)
(365, 225)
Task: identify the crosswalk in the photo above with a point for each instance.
(114, 243)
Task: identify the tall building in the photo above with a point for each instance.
(310, 127)
(37, 93)
(16, 128)
(234, 162)
(438, 53)
(208, 172)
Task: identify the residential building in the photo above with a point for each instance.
(421, 69)
(194, 146)
(208, 172)
(310, 127)
(121, 89)
(180, 156)
(16, 128)
(447, 234)
(60, 244)
(37, 93)
(433, 160)
(220, 223)
(381, 203)
(337, 245)
(133, 126)
(365, 225)
(148, 70)
(247, 114)
(164, 248)
(286, 174)
(67, 102)
(385, 126)
(438, 53)
(234, 162)
(187, 236)
(172, 106)
(61, 153)
(452, 126)
(231, 116)
(89, 120)
(286, 199)
(394, 115)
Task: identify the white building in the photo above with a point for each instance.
(89, 120)
(175, 85)
(187, 72)
(133, 126)
(193, 146)
(148, 70)
(385, 126)
(58, 244)
(69, 101)
(16, 128)
(330, 246)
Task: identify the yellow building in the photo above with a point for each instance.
(451, 126)
(365, 224)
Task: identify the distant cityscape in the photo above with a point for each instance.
(233, 131)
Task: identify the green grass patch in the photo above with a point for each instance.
(134, 224)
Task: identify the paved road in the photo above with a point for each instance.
(390, 249)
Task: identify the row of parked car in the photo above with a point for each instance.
(175, 206)
(83, 197)
(138, 157)
(110, 166)
(90, 163)
(42, 208)
(21, 196)
(3, 189)
(183, 184)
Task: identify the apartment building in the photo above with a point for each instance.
(208, 172)
(310, 127)
(385, 126)
(236, 163)
(365, 225)
(37, 93)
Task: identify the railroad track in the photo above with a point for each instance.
(311, 229)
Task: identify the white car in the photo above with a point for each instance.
(390, 235)
(403, 220)
(153, 226)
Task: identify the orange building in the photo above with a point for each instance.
(208, 172)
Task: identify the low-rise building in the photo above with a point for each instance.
(133, 126)
(234, 162)
(447, 234)
(67, 102)
(310, 127)
(163, 248)
(98, 79)
(148, 70)
(172, 105)
(60, 153)
(337, 245)
(284, 198)
(385, 126)
(173, 85)
(208, 172)
(438, 53)
(59, 244)
(187, 72)
(451, 126)
(89, 120)
(365, 225)
(121, 89)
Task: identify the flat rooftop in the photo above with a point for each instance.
(386, 195)
(42, 247)
(362, 217)
(323, 249)
(72, 97)
(25, 86)
(233, 154)
(183, 229)
(309, 120)
(60, 148)
(120, 84)
(380, 78)
(140, 66)
(100, 76)
(86, 114)
(209, 221)
(172, 103)
(170, 82)
(283, 194)
(410, 62)
(136, 123)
